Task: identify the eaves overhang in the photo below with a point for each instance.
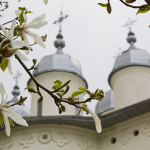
(87, 122)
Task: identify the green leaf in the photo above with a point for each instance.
(143, 10)
(58, 82)
(30, 89)
(66, 90)
(103, 5)
(130, 1)
(4, 65)
(76, 93)
(21, 18)
(1, 118)
(85, 90)
(34, 61)
(11, 122)
(22, 99)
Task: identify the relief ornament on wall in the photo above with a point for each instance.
(60, 138)
(6, 143)
(27, 140)
(83, 142)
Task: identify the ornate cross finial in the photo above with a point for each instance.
(17, 76)
(129, 23)
(60, 20)
(118, 53)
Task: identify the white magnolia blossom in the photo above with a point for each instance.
(16, 44)
(36, 23)
(45, 1)
(8, 111)
(96, 119)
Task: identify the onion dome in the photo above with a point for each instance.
(131, 57)
(106, 104)
(59, 61)
(21, 109)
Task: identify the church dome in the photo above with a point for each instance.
(131, 57)
(21, 109)
(59, 61)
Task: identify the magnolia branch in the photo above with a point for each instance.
(128, 5)
(57, 99)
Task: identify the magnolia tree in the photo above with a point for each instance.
(13, 41)
(141, 9)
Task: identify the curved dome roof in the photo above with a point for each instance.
(59, 61)
(21, 110)
(131, 57)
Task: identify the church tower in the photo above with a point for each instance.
(58, 66)
(129, 78)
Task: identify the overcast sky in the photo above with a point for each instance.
(92, 37)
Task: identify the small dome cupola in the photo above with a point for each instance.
(57, 66)
(130, 76)
(59, 61)
(21, 109)
(131, 57)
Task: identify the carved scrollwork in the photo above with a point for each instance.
(60, 138)
(83, 142)
(124, 136)
(5, 144)
(27, 140)
(103, 143)
(147, 129)
(44, 137)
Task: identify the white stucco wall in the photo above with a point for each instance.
(63, 137)
(130, 85)
(48, 105)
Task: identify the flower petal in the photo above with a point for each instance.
(23, 57)
(17, 118)
(39, 18)
(11, 31)
(4, 30)
(45, 2)
(37, 39)
(96, 119)
(9, 67)
(36, 25)
(6, 122)
(18, 12)
(26, 42)
(17, 44)
(2, 89)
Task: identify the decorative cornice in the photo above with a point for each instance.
(83, 142)
(27, 140)
(124, 136)
(6, 143)
(60, 138)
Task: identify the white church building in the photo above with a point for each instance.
(124, 112)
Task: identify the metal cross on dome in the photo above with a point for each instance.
(129, 23)
(60, 20)
(17, 76)
(118, 53)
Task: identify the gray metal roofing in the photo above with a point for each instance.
(131, 57)
(107, 120)
(59, 62)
